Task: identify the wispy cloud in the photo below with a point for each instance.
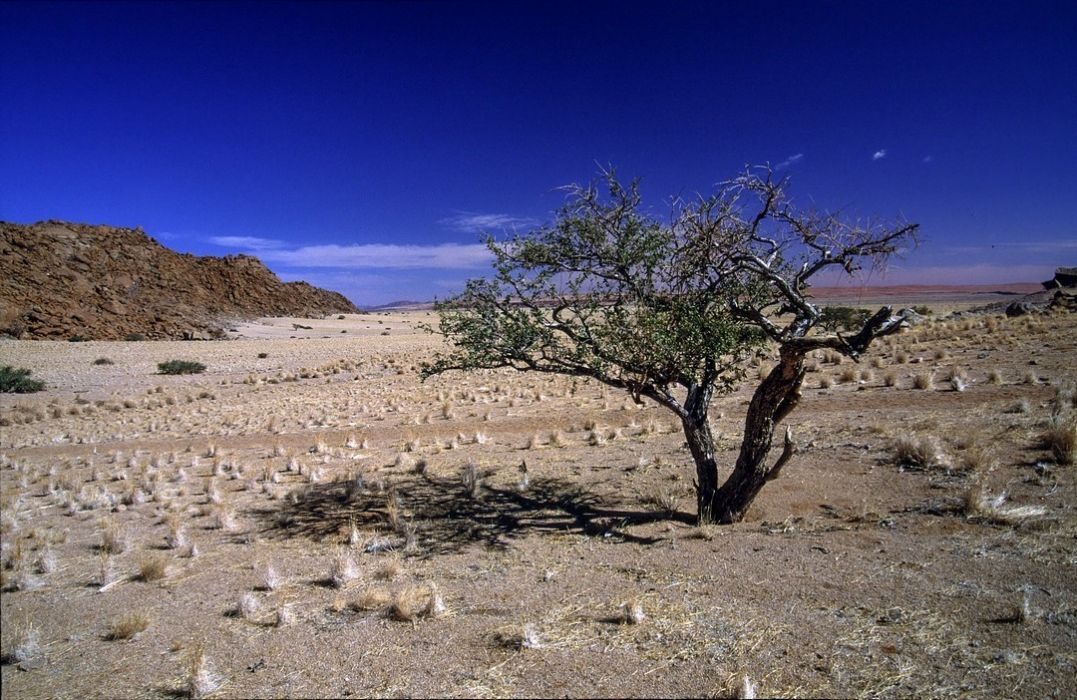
(879, 154)
(471, 222)
(445, 256)
(246, 242)
(791, 160)
(927, 159)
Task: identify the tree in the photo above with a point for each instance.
(673, 311)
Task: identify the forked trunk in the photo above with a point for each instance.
(775, 397)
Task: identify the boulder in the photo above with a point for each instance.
(1020, 308)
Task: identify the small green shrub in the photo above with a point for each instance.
(103, 361)
(923, 310)
(134, 337)
(842, 318)
(77, 339)
(180, 367)
(263, 355)
(16, 380)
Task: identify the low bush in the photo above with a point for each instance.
(837, 318)
(78, 339)
(180, 367)
(16, 380)
(103, 361)
(134, 337)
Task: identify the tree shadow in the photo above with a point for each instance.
(446, 518)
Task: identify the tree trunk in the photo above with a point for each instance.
(701, 445)
(774, 398)
(697, 432)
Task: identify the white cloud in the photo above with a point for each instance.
(246, 242)
(448, 256)
(928, 159)
(791, 160)
(879, 154)
(478, 223)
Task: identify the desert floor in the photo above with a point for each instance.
(306, 518)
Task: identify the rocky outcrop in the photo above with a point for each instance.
(1064, 277)
(59, 280)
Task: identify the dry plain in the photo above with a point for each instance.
(307, 518)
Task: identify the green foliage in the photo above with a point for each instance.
(180, 367)
(263, 355)
(842, 318)
(103, 361)
(604, 292)
(133, 337)
(78, 339)
(16, 380)
(923, 310)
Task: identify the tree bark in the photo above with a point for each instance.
(701, 445)
(697, 432)
(774, 398)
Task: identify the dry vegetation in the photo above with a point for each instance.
(306, 519)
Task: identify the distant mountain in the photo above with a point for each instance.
(60, 279)
(407, 305)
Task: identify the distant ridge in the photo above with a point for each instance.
(399, 305)
(59, 280)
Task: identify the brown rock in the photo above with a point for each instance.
(59, 279)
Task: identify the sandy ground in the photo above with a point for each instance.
(373, 497)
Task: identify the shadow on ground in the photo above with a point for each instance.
(445, 517)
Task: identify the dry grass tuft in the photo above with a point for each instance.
(128, 625)
(390, 569)
(372, 599)
(113, 538)
(408, 604)
(285, 615)
(268, 578)
(918, 453)
(152, 566)
(248, 606)
(923, 381)
(632, 612)
(201, 679)
(980, 505)
(342, 570)
(469, 476)
(1061, 442)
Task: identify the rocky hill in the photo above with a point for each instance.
(59, 280)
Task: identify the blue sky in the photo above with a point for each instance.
(365, 147)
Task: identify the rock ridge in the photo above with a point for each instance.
(60, 280)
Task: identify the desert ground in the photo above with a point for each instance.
(306, 518)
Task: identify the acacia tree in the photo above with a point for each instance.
(674, 311)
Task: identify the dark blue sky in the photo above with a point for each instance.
(364, 146)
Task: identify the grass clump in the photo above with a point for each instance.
(152, 567)
(16, 380)
(917, 453)
(180, 367)
(103, 361)
(1061, 442)
(128, 625)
